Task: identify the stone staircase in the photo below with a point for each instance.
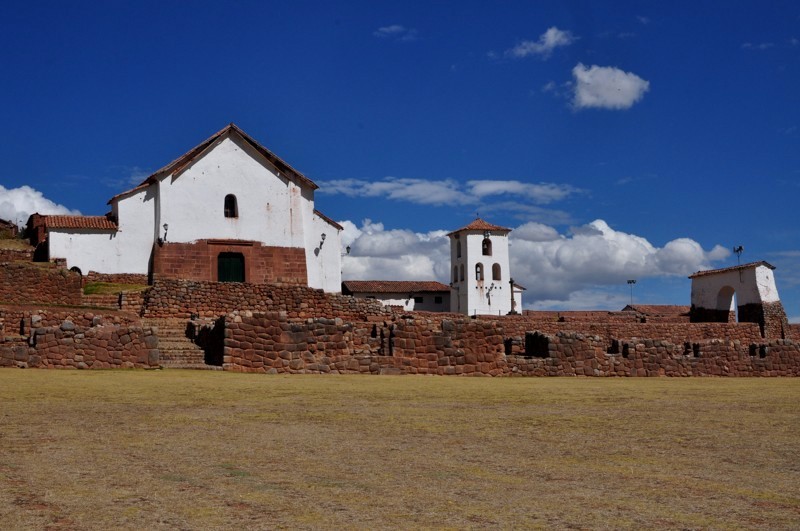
(177, 350)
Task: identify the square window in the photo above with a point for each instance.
(437, 300)
(418, 300)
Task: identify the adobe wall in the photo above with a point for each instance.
(81, 344)
(182, 298)
(198, 261)
(27, 283)
(272, 343)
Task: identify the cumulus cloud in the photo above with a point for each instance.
(548, 41)
(605, 87)
(397, 254)
(449, 192)
(17, 204)
(581, 269)
(396, 32)
(594, 255)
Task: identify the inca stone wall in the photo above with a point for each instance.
(272, 343)
(183, 298)
(81, 342)
(28, 283)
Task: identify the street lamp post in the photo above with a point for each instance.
(631, 283)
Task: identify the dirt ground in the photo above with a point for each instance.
(212, 450)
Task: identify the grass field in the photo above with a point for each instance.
(206, 450)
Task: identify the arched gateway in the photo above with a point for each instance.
(748, 289)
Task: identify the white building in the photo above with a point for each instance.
(228, 210)
(412, 295)
(481, 276)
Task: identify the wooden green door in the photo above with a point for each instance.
(230, 267)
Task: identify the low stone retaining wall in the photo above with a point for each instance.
(116, 278)
(272, 343)
(183, 298)
(27, 283)
(16, 255)
(78, 346)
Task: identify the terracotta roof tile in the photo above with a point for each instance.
(78, 222)
(393, 286)
(179, 164)
(479, 224)
(751, 265)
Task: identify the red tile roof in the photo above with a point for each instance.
(393, 286)
(78, 222)
(181, 163)
(751, 265)
(328, 220)
(481, 225)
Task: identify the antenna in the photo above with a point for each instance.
(738, 250)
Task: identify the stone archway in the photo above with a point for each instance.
(748, 290)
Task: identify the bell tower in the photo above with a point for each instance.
(480, 273)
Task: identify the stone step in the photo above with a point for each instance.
(192, 366)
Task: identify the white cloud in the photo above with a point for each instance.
(399, 254)
(541, 193)
(396, 32)
(760, 46)
(548, 41)
(449, 192)
(583, 269)
(17, 204)
(606, 87)
(421, 191)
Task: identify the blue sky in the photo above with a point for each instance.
(620, 140)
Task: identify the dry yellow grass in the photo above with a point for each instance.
(205, 450)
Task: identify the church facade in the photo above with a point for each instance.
(227, 210)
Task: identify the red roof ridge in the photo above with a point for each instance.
(481, 225)
(732, 268)
(179, 164)
(328, 220)
(58, 221)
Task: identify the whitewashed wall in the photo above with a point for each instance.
(428, 303)
(323, 264)
(753, 285)
(125, 251)
(490, 297)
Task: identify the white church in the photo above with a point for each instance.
(227, 210)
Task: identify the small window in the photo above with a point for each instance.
(437, 299)
(478, 271)
(486, 247)
(496, 272)
(455, 273)
(418, 300)
(458, 249)
(231, 208)
(462, 273)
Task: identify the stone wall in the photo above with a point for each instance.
(16, 255)
(78, 345)
(198, 261)
(272, 343)
(676, 332)
(183, 298)
(27, 283)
